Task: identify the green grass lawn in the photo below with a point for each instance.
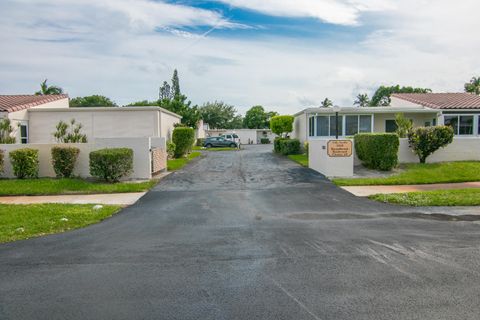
(457, 197)
(301, 159)
(47, 186)
(19, 222)
(177, 164)
(447, 172)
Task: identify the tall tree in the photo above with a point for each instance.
(45, 89)
(383, 93)
(165, 92)
(362, 100)
(327, 103)
(217, 114)
(256, 118)
(235, 123)
(270, 115)
(92, 101)
(175, 84)
(473, 86)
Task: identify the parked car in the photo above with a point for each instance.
(231, 136)
(219, 142)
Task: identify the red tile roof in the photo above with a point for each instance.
(12, 103)
(442, 100)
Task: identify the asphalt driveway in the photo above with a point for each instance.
(248, 235)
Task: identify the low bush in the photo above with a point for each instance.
(183, 138)
(287, 146)
(305, 147)
(377, 150)
(425, 141)
(264, 141)
(24, 163)
(1, 161)
(111, 164)
(63, 161)
(171, 149)
(200, 142)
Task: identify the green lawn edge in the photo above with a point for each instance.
(20, 222)
(416, 173)
(301, 159)
(456, 197)
(177, 164)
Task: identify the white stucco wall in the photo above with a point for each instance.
(98, 123)
(320, 161)
(400, 103)
(419, 119)
(167, 124)
(140, 146)
(300, 125)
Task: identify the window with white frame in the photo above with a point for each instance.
(311, 126)
(348, 125)
(461, 124)
(23, 133)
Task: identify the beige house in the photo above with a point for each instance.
(37, 116)
(460, 110)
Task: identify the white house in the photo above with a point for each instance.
(37, 116)
(460, 110)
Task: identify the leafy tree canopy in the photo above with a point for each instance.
(45, 89)
(473, 86)
(383, 93)
(92, 101)
(257, 118)
(362, 100)
(282, 125)
(143, 103)
(219, 115)
(327, 103)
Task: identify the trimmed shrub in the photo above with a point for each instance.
(171, 149)
(264, 141)
(377, 150)
(425, 141)
(305, 147)
(287, 146)
(1, 160)
(63, 161)
(111, 164)
(200, 142)
(24, 163)
(183, 138)
(281, 125)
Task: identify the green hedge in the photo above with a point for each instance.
(111, 164)
(264, 141)
(200, 142)
(2, 156)
(171, 149)
(377, 150)
(24, 163)
(183, 138)
(286, 146)
(63, 161)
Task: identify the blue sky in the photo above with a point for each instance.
(283, 54)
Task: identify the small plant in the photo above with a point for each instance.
(377, 150)
(111, 164)
(69, 133)
(171, 149)
(282, 125)
(2, 157)
(24, 163)
(183, 138)
(200, 142)
(63, 161)
(7, 133)
(404, 125)
(264, 141)
(425, 141)
(305, 147)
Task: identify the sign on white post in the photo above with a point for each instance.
(332, 158)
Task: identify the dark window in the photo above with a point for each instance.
(452, 121)
(365, 124)
(390, 126)
(311, 126)
(428, 124)
(466, 125)
(351, 125)
(333, 125)
(24, 133)
(322, 126)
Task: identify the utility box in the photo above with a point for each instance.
(332, 158)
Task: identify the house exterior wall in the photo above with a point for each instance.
(300, 124)
(400, 103)
(96, 123)
(167, 123)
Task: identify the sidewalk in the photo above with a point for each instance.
(124, 199)
(365, 191)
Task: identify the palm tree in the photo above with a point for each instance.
(327, 103)
(473, 86)
(47, 90)
(362, 100)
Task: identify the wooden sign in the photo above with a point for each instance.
(339, 148)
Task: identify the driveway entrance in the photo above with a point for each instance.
(248, 235)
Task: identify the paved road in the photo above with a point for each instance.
(248, 235)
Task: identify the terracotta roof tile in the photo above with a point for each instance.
(12, 103)
(442, 100)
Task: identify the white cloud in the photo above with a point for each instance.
(343, 12)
